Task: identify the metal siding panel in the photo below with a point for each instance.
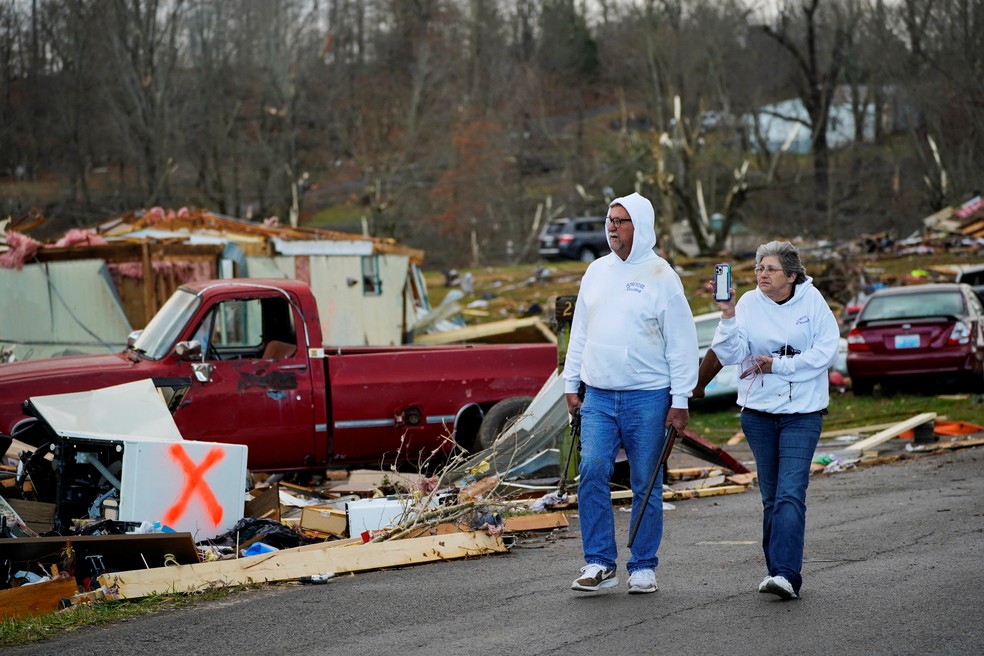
(70, 304)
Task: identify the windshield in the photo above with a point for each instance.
(555, 227)
(158, 337)
(902, 306)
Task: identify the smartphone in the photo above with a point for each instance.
(722, 282)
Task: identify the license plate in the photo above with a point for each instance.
(906, 341)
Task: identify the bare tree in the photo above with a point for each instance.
(143, 54)
(817, 38)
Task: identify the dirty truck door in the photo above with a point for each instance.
(253, 385)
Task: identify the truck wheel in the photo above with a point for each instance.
(499, 417)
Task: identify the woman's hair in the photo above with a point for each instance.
(788, 256)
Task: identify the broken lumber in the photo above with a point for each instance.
(679, 495)
(289, 564)
(675, 495)
(36, 599)
(539, 522)
(893, 431)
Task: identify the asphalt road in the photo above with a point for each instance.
(894, 565)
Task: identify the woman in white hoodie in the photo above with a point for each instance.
(785, 338)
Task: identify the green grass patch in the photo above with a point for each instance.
(717, 420)
(27, 630)
(335, 215)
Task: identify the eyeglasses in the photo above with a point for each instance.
(767, 269)
(616, 221)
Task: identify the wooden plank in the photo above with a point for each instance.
(329, 544)
(525, 330)
(742, 479)
(12, 519)
(949, 446)
(265, 503)
(289, 564)
(36, 599)
(680, 473)
(858, 430)
(538, 522)
(893, 431)
(676, 495)
(699, 483)
(679, 495)
(39, 516)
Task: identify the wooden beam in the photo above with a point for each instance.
(289, 564)
(130, 252)
(676, 495)
(679, 495)
(893, 431)
(538, 522)
(37, 599)
(858, 430)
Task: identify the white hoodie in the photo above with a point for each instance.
(633, 328)
(798, 382)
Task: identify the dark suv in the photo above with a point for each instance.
(582, 239)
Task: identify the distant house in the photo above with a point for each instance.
(787, 120)
(88, 293)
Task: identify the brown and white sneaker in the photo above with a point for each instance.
(595, 577)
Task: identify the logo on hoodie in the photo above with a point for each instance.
(803, 319)
(636, 287)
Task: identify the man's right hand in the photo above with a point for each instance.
(573, 402)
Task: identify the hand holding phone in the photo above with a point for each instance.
(722, 282)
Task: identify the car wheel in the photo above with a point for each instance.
(586, 255)
(862, 386)
(499, 418)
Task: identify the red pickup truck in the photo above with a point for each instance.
(242, 361)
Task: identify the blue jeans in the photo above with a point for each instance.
(783, 446)
(633, 420)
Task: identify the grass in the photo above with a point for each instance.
(717, 420)
(26, 630)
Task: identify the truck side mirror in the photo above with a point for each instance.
(203, 371)
(190, 350)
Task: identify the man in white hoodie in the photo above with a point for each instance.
(633, 345)
(785, 337)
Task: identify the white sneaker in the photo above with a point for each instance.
(595, 577)
(764, 585)
(642, 581)
(781, 587)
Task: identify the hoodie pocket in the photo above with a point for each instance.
(604, 366)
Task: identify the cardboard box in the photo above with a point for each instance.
(323, 519)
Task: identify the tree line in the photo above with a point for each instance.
(462, 126)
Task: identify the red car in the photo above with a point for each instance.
(929, 334)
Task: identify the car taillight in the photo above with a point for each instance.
(855, 341)
(959, 335)
(565, 239)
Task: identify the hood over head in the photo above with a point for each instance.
(643, 225)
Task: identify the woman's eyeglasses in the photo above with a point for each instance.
(766, 269)
(616, 221)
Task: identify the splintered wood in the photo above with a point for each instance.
(289, 564)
